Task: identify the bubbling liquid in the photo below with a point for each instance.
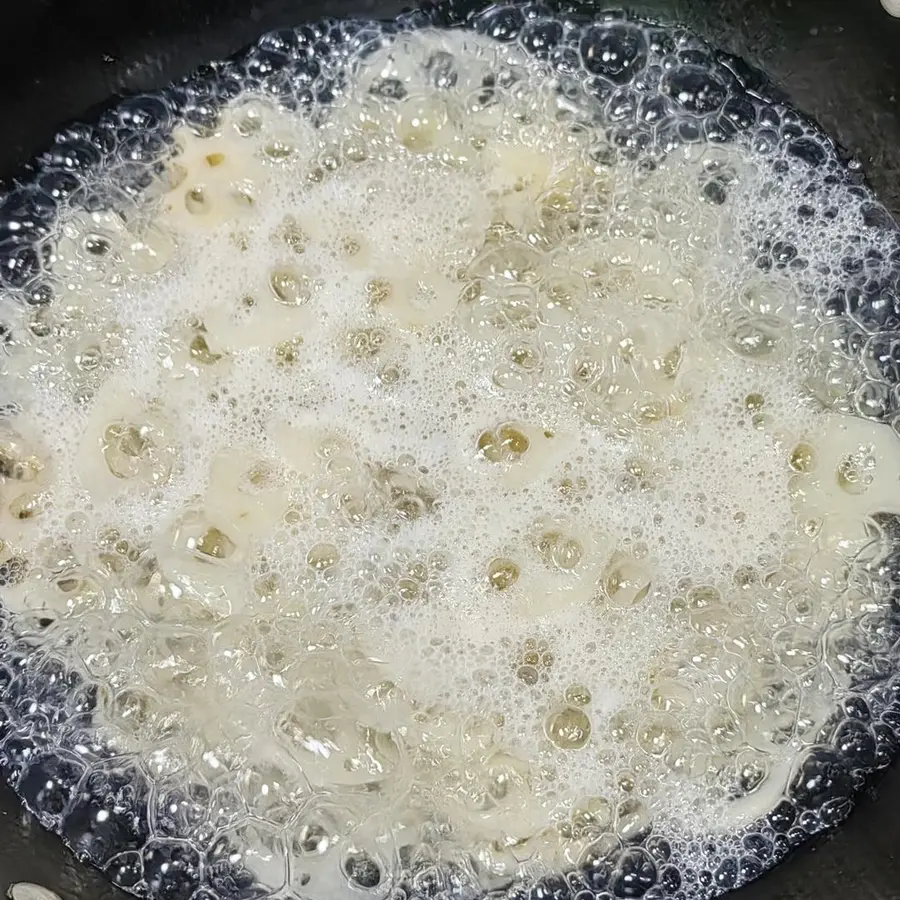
(427, 483)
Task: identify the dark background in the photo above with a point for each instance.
(839, 60)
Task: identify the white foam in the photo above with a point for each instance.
(314, 373)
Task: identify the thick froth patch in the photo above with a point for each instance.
(438, 459)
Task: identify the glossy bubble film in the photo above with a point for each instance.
(445, 458)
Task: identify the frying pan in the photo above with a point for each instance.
(838, 60)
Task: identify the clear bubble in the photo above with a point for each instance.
(569, 728)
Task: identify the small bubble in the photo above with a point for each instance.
(313, 839)
(591, 817)
(855, 472)
(267, 588)
(626, 583)
(288, 352)
(249, 120)
(215, 544)
(13, 571)
(200, 352)
(802, 459)
(292, 235)
(291, 287)
(506, 444)
(361, 869)
(132, 451)
(656, 735)
(89, 358)
(389, 375)
(366, 343)
(419, 124)
(632, 819)
(569, 728)
(41, 324)
(278, 150)
(557, 550)
(754, 402)
(97, 245)
(578, 695)
(502, 573)
(757, 339)
(322, 556)
(408, 589)
(378, 290)
(197, 201)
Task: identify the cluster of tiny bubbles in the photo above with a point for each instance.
(448, 457)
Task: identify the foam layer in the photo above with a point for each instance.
(438, 481)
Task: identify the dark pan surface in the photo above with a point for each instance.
(839, 60)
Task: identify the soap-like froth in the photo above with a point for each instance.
(468, 478)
